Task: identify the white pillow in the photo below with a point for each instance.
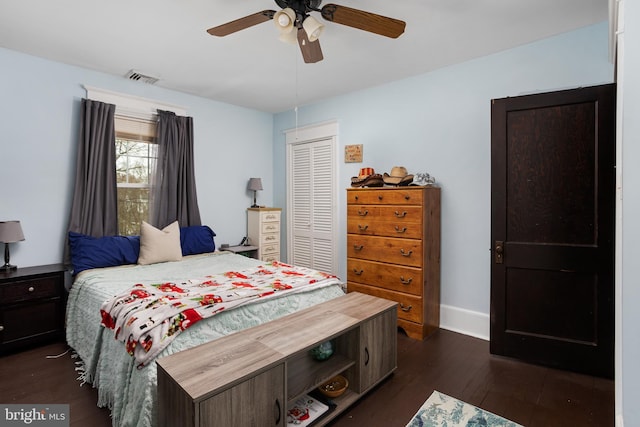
(159, 245)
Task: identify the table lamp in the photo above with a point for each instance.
(10, 232)
(255, 184)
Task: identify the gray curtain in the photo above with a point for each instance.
(174, 190)
(94, 210)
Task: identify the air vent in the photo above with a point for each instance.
(140, 77)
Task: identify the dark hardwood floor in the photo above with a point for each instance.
(451, 363)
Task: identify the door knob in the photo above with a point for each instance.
(499, 252)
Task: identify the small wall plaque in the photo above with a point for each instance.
(353, 153)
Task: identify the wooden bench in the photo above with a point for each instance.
(249, 378)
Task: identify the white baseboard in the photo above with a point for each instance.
(464, 321)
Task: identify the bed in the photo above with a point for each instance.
(124, 384)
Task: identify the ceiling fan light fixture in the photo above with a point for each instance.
(291, 37)
(284, 20)
(313, 28)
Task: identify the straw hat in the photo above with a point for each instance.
(398, 176)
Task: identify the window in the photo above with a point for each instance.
(136, 155)
(135, 126)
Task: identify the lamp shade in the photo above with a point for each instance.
(10, 232)
(313, 28)
(291, 37)
(284, 20)
(255, 184)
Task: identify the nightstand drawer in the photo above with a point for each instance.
(27, 322)
(30, 289)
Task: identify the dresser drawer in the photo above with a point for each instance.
(270, 248)
(395, 196)
(271, 257)
(271, 238)
(409, 306)
(30, 289)
(402, 213)
(270, 216)
(386, 276)
(392, 228)
(270, 227)
(395, 251)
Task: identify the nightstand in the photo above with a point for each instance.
(246, 250)
(32, 306)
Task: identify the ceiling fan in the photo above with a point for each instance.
(296, 25)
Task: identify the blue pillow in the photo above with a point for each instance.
(109, 251)
(197, 239)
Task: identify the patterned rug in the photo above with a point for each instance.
(441, 410)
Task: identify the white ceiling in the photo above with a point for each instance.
(252, 68)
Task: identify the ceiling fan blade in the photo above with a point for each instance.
(362, 20)
(311, 51)
(241, 23)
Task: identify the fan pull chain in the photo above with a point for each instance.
(296, 107)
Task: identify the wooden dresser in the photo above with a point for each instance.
(393, 251)
(264, 232)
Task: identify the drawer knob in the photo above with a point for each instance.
(405, 308)
(401, 230)
(358, 248)
(358, 272)
(356, 197)
(380, 197)
(407, 197)
(363, 227)
(400, 215)
(407, 254)
(31, 289)
(363, 213)
(406, 281)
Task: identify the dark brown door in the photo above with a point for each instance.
(552, 228)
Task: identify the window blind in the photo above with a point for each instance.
(135, 128)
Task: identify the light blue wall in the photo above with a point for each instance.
(439, 123)
(629, 312)
(39, 105)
